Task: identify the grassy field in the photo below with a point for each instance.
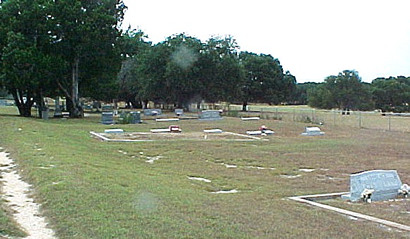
(94, 189)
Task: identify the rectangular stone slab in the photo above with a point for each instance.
(385, 183)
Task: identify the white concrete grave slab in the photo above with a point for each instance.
(210, 131)
(114, 131)
(260, 132)
(249, 118)
(308, 199)
(312, 131)
(167, 120)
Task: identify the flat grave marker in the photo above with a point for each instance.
(152, 112)
(312, 131)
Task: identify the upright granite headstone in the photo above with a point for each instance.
(210, 115)
(179, 112)
(107, 118)
(135, 117)
(58, 113)
(3, 102)
(152, 112)
(385, 183)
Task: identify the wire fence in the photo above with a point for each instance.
(356, 119)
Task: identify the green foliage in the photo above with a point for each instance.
(300, 94)
(45, 44)
(86, 35)
(25, 65)
(264, 78)
(344, 91)
(392, 94)
(7, 226)
(184, 70)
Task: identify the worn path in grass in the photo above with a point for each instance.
(15, 192)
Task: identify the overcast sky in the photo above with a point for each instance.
(312, 39)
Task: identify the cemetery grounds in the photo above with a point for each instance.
(169, 188)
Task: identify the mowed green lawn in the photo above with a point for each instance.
(94, 189)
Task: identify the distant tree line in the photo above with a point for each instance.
(347, 91)
(77, 49)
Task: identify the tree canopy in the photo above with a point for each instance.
(76, 49)
(50, 47)
(344, 91)
(183, 70)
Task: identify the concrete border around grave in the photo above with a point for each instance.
(118, 140)
(305, 199)
(105, 139)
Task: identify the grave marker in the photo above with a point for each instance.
(179, 112)
(381, 184)
(107, 118)
(312, 131)
(152, 112)
(135, 118)
(210, 115)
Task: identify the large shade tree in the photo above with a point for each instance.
(65, 44)
(25, 64)
(344, 91)
(392, 94)
(86, 34)
(221, 74)
(264, 79)
(134, 48)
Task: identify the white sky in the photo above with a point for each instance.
(311, 38)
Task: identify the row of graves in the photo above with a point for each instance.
(135, 118)
(108, 115)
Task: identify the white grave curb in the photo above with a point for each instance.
(304, 199)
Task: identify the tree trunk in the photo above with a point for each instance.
(145, 104)
(40, 103)
(244, 106)
(23, 105)
(76, 110)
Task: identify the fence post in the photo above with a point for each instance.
(389, 122)
(360, 119)
(334, 117)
